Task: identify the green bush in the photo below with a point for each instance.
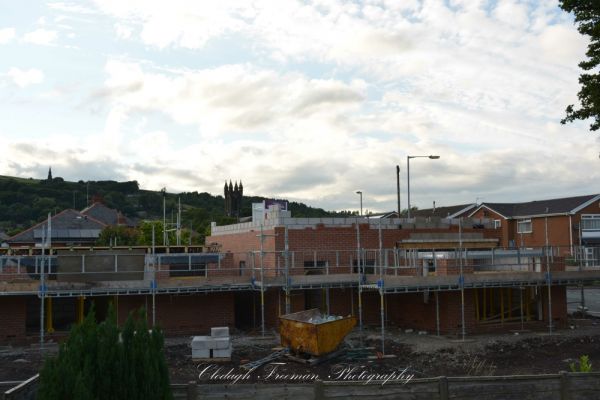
(102, 361)
(584, 365)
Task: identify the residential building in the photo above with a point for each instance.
(564, 223)
(108, 216)
(449, 212)
(71, 227)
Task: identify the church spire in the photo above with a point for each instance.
(50, 173)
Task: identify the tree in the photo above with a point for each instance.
(118, 236)
(587, 18)
(145, 229)
(103, 361)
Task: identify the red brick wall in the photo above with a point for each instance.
(241, 243)
(13, 311)
(344, 238)
(411, 311)
(13, 273)
(559, 305)
(506, 226)
(558, 232)
(452, 266)
(183, 314)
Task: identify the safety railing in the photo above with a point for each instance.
(189, 269)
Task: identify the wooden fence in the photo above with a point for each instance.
(563, 386)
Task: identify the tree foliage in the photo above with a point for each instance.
(102, 361)
(587, 18)
(24, 202)
(118, 236)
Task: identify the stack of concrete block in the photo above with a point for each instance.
(215, 346)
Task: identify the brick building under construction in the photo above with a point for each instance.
(440, 275)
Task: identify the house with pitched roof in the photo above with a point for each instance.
(68, 228)
(566, 222)
(71, 227)
(449, 212)
(107, 215)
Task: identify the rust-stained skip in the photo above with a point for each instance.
(317, 339)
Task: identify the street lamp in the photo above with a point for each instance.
(360, 193)
(408, 174)
(398, 188)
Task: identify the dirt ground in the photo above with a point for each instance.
(416, 354)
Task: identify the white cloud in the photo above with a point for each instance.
(512, 13)
(70, 8)
(123, 31)
(41, 37)
(6, 35)
(25, 77)
(229, 98)
(313, 140)
(319, 98)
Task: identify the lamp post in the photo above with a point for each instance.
(432, 157)
(398, 188)
(360, 193)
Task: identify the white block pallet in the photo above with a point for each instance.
(216, 347)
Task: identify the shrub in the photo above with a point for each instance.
(102, 361)
(584, 365)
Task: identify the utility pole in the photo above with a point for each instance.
(462, 279)
(359, 270)
(153, 278)
(164, 217)
(179, 221)
(398, 188)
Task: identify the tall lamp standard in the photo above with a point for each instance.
(408, 174)
(398, 188)
(360, 193)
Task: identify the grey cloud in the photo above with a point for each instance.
(116, 91)
(385, 43)
(255, 151)
(31, 150)
(238, 94)
(71, 169)
(193, 178)
(304, 176)
(252, 119)
(326, 97)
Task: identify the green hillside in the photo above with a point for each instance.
(24, 202)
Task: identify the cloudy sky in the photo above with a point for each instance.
(309, 100)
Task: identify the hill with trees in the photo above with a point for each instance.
(24, 202)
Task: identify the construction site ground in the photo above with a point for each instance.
(425, 355)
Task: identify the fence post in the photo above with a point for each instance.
(192, 390)
(565, 390)
(319, 393)
(443, 388)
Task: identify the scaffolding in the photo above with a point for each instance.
(506, 284)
